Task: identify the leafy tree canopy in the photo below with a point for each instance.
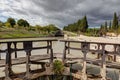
(22, 22)
(1, 23)
(80, 26)
(11, 21)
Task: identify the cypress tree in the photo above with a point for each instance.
(106, 27)
(110, 27)
(84, 24)
(115, 22)
(101, 30)
(78, 26)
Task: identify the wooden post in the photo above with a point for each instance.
(47, 78)
(47, 47)
(64, 53)
(115, 58)
(49, 69)
(28, 75)
(103, 64)
(115, 46)
(8, 70)
(27, 45)
(68, 48)
(51, 53)
(15, 47)
(98, 56)
(85, 48)
(84, 75)
(0, 55)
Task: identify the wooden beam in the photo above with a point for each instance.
(85, 49)
(64, 53)
(15, 47)
(8, 70)
(36, 62)
(103, 64)
(68, 48)
(28, 74)
(47, 47)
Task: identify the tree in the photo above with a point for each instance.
(22, 22)
(26, 24)
(52, 27)
(38, 28)
(102, 30)
(80, 26)
(11, 21)
(106, 29)
(7, 24)
(84, 24)
(1, 23)
(115, 22)
(110, 27)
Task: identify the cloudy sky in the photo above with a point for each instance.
(59, 12)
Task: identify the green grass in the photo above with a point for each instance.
(17, 33)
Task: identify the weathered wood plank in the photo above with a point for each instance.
(92, 42)
(28, 39)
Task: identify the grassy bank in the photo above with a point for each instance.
(18, 33)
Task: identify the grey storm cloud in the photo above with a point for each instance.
(23, 12)
(57, 5)
(64, 12)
